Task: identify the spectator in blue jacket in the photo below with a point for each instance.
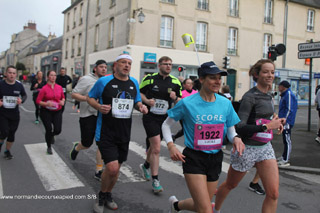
(287, 109)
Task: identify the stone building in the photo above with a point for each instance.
(46, 49)
(21, 42)
(240, 29)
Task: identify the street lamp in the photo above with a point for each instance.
(141, 15)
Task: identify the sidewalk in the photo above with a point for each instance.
(305, 155)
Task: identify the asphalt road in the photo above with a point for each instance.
(26, 187)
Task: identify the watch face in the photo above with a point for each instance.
(264, 127)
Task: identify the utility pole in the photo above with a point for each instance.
(285, 31)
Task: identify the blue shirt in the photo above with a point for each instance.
(105, 89)
(194, 110)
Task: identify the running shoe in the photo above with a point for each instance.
(317, 139)
(74, 152)
(283, 163)
(97, 175)
(98, 206)
(7, 155)
(49, 151)
(255, 187)
(36, 122)
(216, 192)
(172, 200)
(213, 205)
(279, 159)
(156, 187)
(109, 202)
(145, 172)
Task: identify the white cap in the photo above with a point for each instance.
(124, 56)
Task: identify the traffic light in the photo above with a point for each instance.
(276, 50)
(181, 68)
(226, 62)
(307, 61)
(272, 55)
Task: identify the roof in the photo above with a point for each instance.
(71, 6)
(47, 46)
(309, 3)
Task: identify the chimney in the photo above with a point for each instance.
(31, 26)
(49, 36)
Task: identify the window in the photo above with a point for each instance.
(168, 1)
(234, 8)
(201, 39)
(166, 31)
(72, 47)
(98, 7)
(79, 44)
(232, 41)
(266, 44)
(111, 32)
(203, 5)
(68, 21)
(113, 3)
(66, 47)
(96, 38)
(74, 17)
(310, 24)
(268, 11)
(81, 14)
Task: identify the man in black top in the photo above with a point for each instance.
(63, 80)
(158, 92)
(12, 94)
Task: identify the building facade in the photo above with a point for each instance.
(20, 44)
(240, 29)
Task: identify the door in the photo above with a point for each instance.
(231, 81)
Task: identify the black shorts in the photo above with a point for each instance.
(8, 127)
(198, 162)
(152, 125)
(111, 151)
(87, 130)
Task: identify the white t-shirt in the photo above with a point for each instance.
(83, 87)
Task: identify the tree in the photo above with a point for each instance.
(20, 66)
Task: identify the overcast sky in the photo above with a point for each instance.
(14, 14)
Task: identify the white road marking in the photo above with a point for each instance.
(53, 172)
(1, 188)
(128, 172)
(125, 169)
(24, 109)
(165, 163)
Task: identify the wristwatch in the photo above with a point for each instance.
(264, 127)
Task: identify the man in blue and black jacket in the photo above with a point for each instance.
(287, 109)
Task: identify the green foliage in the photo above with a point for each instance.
(25, 72)
(20, 66)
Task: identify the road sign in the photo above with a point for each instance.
(309, 54)
(316, 75)
(309, 46)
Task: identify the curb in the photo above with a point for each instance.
(301, 169)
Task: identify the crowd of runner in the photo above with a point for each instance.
(207, 118)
